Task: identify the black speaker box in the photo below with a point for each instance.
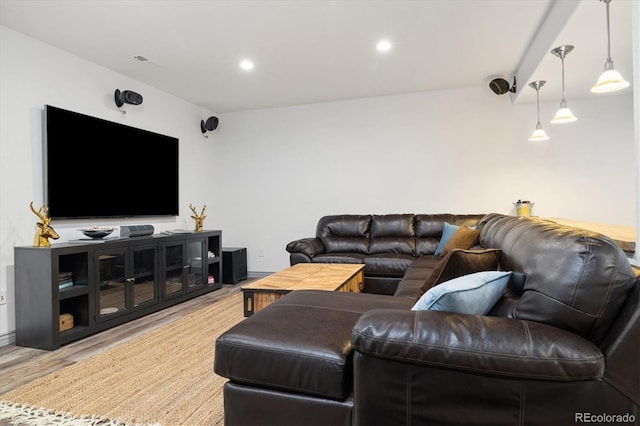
(127, 97)
(136, 230)
(234, 264)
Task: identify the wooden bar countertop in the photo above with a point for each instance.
(624, 236)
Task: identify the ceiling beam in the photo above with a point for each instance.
(556, 18)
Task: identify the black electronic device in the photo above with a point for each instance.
(210, 125)
(124, 171)
(136, 230)
(127, 97)
(500, 86)
(234, 264)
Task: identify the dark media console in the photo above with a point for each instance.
(72, 290)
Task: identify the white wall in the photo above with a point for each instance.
(33, 74)
(635, 17)
(460, 151)
(268, 175)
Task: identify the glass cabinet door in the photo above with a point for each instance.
(143, 279)
(112, 295)
(127, 279)
(174, 265)
(196, 263)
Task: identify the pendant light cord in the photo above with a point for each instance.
(538, 103)
(563, 103)
(608, 33)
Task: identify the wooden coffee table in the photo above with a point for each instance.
(302, 276)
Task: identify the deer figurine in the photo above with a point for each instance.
(199, 218)
(45, 231)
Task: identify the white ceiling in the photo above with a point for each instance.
(308, 51)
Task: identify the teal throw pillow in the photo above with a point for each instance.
(473, 294)
(447, 232)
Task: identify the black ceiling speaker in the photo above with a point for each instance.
(127, 97)
(500, 86)
(210, 125)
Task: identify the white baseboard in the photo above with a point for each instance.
(8, 339)
(256, 274)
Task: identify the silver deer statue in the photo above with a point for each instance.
(45, 231)
(199, 218)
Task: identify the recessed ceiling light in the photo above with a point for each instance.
(246, 64)
(383, 46)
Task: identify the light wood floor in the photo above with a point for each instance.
(20, 365)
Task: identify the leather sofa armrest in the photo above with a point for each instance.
(307, 246)
(479, 344)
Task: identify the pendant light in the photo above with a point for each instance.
(539, 133)
(610, 80)
(564, 114)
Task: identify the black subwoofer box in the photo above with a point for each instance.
(234, 264)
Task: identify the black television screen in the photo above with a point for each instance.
(96, 168)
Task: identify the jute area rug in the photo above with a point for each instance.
(164, 377)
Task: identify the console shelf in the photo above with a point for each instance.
(104, 285)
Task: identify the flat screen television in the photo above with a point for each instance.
(96, 168)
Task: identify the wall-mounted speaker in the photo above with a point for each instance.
(127, 97)
(500, 86)
(209, 125)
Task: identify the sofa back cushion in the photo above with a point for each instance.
(392, 233)
(577, 280)
(344, 233)
(460, 262)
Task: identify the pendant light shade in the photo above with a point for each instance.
(564, 114)
(610, 80)
(539, 133)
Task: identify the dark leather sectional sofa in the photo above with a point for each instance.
(561, 347)
(386, 244)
